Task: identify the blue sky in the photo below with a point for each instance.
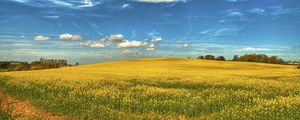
(90, 31)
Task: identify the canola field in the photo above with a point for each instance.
(161, 88)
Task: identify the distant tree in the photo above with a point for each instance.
(221, 58)
(273, 59)
(4, 64)
(280, 61)
(20, 67)
(235, 58)
(298, 66)
(209, 57)
(200, 57)
(259, 58)
(77, 63)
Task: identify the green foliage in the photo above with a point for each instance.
(4, 116)
(221, 58)
(35, 65)
(200, 57)
(259, 58)
(209, 57)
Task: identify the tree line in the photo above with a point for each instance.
(263, 58)
(34, 65)
(259, 58)
(211, 57)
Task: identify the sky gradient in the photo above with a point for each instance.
(90, 31)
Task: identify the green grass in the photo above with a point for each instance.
(162, 89)
(4, 116)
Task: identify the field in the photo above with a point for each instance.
(161, 88)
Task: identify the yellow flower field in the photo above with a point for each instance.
(161, 88)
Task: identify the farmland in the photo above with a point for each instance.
(161, 88)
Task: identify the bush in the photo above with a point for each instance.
(209, 57)
(221, 58)
(200, 57)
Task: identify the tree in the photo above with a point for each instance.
(4, 64)
(235, 58)
(200, 57)
(298, 66)
(259, 58)
(209, 57)
(273, 59)
(221, 58)
(77, 63)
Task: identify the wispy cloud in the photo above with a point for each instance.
(186, 45)
(150, 49)
(130, 44)
(127, 52)
(89, 3)
(236, 0)
(126, 5)
(280, 10)
(73, 4)
(52, 16)
(69, 37)
(156, 40)
(115, 38)
(160, 1)
(257, 10)
(234, 13)
(93, 44)
(251, 49)
(40, 38)
(152, 45)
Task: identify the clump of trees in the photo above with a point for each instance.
(13, 66)
(259, 58)
(34, 65)
(48, 63)
(211, 57)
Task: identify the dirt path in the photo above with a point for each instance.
(23, 110)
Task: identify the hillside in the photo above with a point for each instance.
(161, 88)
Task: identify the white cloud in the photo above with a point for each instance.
(97, 45)
(89, 3)
(236, 0)
(186, 45)
(127, 52)
(61, 3)
(250, 49)
(125, 6)
(93, 44)
(280, 10)
(69, 37)
(40, 38)
(52, 16)
(150, 49)
(257, 10)
(23, 1)
(235, 14)
(156, 40)
(129, 44)
(160, 1)
(151, 45)
(115, 38)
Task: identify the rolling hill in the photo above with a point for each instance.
(161, 88)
